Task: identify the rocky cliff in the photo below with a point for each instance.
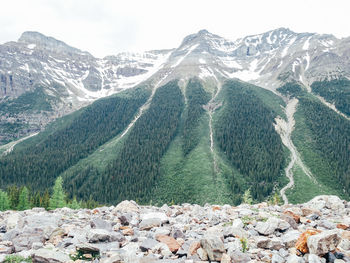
(317, 231)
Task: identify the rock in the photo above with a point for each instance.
(271, 225)
(87, 248)
(160, 215)
(295, 259)
(295, 217)
(327, 224)
(170, 242)
(275, 244)
(262, 242)
(239, 257)
(326, 201)
(6, 249)
(101, 224)
(225, 258)
(25, 239)
(324, 242)
(14, 220)
(126, 207)
(128, 231)
(301, 243)
(148, 244)
(202, 254)
(277, 259)
(232, 231)
(101, 235)
(193, 248)
(44, 255)
(149, 223)
(214, 247)
(330, 258)
(177, 233)
(290, 238)
(312, 258)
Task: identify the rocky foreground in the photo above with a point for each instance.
(317, 231)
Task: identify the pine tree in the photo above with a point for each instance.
(4, 201)
(57, 199)
(74, 204)
(23, 203)
(247, 197)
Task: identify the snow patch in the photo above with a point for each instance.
(183, 57)
(202, 61)
(31, 46)
(306, 44)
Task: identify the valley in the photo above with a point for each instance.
(205, 122)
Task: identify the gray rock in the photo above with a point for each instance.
(271, 225)
(202, 254)
(44, 255)
(239, 257)
(262, 242)
(327, 224)
(277, 258)
(149, 223)
(312, 258)
(295, 259)
(100, 224)
(214, 246)
(126, 207)
(87, 248)
(102, 235)
(148, 244)
(323, 242)
(24, 240)
(290, 238)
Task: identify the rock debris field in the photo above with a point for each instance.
(317, 231)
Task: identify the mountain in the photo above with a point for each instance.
(204, 122)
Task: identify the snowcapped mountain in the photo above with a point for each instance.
(69, 78)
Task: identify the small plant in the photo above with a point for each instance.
(226, 224)
(244, 243)
(17, 259)
(246, 220)
(79, 255)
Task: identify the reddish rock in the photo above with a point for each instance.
(171, 242)
(293, 215)
(301, 243)
(216, 208)
(128, 231)
(342, 226)
(194, 247)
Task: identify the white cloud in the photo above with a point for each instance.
(105, 27)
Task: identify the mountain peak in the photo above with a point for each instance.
(50, 43)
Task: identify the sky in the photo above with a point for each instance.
(106, 27)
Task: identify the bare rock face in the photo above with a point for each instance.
(323, 243)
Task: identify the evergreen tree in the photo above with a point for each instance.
(23, 203)
(247, 197)
(74, 204)
(13, 194)
(4, 201)
(57, 199)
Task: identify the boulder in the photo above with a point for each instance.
(44, 255)
(102, 235)
(271, 225)
(126, 207)
(149, 223)
(290, 238)
(324, 242)
(214, 246)
(170, 242)
(148, 244)
(301, 243)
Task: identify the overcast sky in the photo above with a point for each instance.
(105, 27)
